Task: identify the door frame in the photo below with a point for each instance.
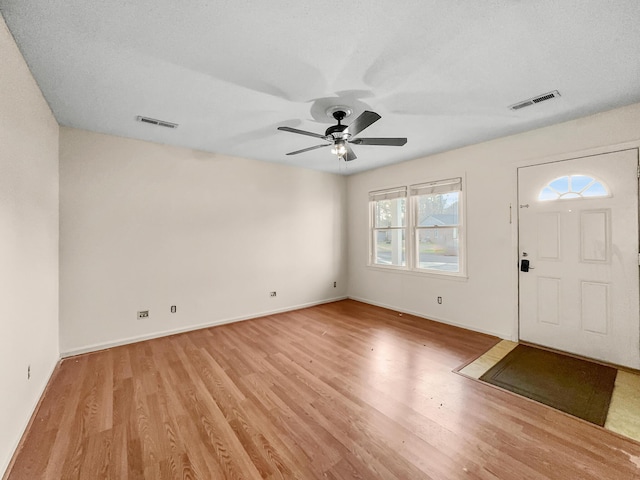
(514, 211)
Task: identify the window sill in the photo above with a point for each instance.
(457, 277)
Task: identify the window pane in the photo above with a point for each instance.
(390, 213)
(578, 182)
(573, 186)
(595, 190)
(438, 209)
(560, 185)
(389, 247)
(438, 252)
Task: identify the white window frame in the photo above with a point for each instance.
(387, 194)
(412, 229)
(449, 185)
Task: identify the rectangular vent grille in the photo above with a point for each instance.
(153, 121)
(543, 98)
(534, 100)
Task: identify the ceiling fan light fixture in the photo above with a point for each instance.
(339, 148)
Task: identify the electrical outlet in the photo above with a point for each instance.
(272, 294)
(440, 300)
(29, 372)
(143, 314)
(335, 284)
(173, 309)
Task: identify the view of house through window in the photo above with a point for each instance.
(389, 227)
(437, 225)
(434, 219)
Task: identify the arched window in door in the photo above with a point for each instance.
(573, 186)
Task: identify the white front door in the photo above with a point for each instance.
(578, 228)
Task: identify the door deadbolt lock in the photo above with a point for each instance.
(525, 265)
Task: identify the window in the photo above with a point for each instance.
(435, 220)
(573, 186)
(388, 232)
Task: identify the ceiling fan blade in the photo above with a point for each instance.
(362, 122)
(393, 142)
(308, 149)
(301, 132)
(349, 155)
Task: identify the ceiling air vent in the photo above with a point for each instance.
(534, 100)
(153, 121)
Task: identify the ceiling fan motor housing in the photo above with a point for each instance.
(338, 131)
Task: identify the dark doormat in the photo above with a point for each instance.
(575, 386)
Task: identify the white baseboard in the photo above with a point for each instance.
(27, 422)
(140, 338)
(431, 317)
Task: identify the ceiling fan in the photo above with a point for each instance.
(340, 136)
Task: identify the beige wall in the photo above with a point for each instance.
(28, 244)
(487, 300)
(145, 226)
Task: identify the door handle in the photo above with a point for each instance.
(525, 266)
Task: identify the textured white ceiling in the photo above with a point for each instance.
(441, 72)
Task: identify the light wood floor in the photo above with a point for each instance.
(339, 391)
(623, 416)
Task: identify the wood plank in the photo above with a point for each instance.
(341, 390)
